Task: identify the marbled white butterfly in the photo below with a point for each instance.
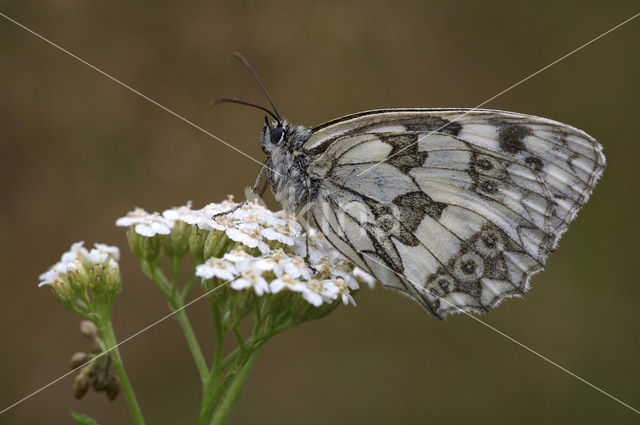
(456, 208)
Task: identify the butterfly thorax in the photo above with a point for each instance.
(287, 164)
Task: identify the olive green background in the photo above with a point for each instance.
(79, 151)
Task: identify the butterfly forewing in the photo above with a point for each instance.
(455, 208)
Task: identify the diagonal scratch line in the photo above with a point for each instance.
(130, 337)
(132, 89)
(499, 332)
(506, 90)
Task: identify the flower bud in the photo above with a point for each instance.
(143, 247)
(78, 359)
(197, 238)
(214, 244)
(112, 388)
(113, 279)
(81, 385)
(177, 243)
(88, 329)
(100, 382)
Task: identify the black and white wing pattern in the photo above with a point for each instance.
(455, 208)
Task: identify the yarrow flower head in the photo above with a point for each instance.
(258, 252)
(81, 271)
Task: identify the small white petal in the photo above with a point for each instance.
(287, 282)
(237, 255)
(113, 251)
(272, 235)
(97, 257)
(176, 213)
(240, 284)
(145, 230)
(312, 297)
(366, 277)
(237, 235)
(76, 251)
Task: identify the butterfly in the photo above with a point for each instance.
(455, 208)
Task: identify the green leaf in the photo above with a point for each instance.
(83, 419)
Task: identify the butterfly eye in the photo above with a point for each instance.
(276, 135)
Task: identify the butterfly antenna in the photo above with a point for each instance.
(255, 76)
(242, 102)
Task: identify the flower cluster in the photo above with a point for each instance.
(256, 249)
(248, 225)
(80, 269)
(255, 266)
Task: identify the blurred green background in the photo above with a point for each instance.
(79, 151)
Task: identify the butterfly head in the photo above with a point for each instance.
(274, 135)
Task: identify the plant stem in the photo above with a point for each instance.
(189, 284)
(192, 341)
(176, 303)
(109, 338)
(218, 360)
(235, 389)
(215, 389)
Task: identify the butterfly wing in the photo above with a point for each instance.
(455, 208)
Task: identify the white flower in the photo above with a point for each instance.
(97, 257)
(69, 261)
(177, 213)
(333, 289)
(286, 282)
(297, 267)
(146, 224)
(252, 212)
(348, 279)
(278, 233)
(203, 219)
(76, 252)
(319, 247)
(101, 253)
(251, 279)
(249, 235)
(312, 292)
(155, 225)
(216, 267)
(112, 251)
(238, 256)
(290, 220)
(58, 269)
(274, 262)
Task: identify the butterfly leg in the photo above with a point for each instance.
(307, 223)
(264, 188)
(247, 196)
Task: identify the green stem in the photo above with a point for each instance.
(220, 394)
(161, 281)
(192, 341)
(175, 274)
(187, 287)
(176, 303)
(231, 357)
(235, 389)
(218, 360)
(214, 390)
(109, 338)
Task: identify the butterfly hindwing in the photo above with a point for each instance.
(455, 208)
